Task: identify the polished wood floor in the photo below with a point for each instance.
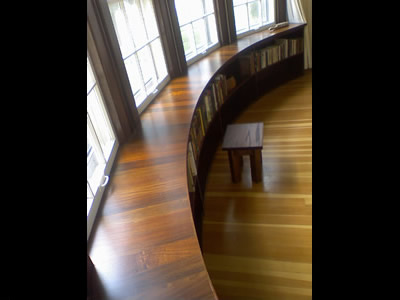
(257, 236)
(144, 244)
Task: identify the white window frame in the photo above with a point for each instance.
(107, 158)
(260, 27)
(210, 46)
(161, 82)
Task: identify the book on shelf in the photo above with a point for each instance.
(197, 130)
(199, 112)
(296, 46)
(191, 186)
(247, 65)
(284, 47)
(222, 86)
(263, 58)
(210, 109)
(257, 60)
(195, 145)
(219, 92)
(230, 83)
(191, 160)
(215, 96)
(191, 167)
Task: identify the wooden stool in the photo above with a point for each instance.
(244, 139)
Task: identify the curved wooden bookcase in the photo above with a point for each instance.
(257, 64)
(144, 243)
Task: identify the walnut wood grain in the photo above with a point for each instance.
(144, 244)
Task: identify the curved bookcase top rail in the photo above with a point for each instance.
(144, 243)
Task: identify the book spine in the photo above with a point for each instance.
(201, 125)
(191, 186)
(214, 97)
(252, 63)
(192, 162)
(208, 108)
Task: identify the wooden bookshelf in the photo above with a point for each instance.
(258, 63)
(145, 240)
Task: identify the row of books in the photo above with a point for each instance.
(213, 98)
(217, 92)
(280, 50)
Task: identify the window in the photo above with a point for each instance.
(253, 14)
(197, 24)
(101, 146)
(139, 40)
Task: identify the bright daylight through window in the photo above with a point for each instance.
(253, 14)
(139, 41)
(198, 28)
(100, 138)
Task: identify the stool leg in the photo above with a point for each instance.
(236, 165)
(256, 165)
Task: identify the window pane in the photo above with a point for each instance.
(198, 30)
(238, 2)
(159, 59)
(135, 20)
(241, 18)
(125, 40)
(89, 199)
(95, 160)
(188, 10)
(209, 6)
(92, 160)
(100, 122)
(264, 12)
(254, 14)
(89, 192)
(135, 79)
(200, 37)
(147, 68)
(149, 19)
(271, 11)
(212, 29)
(188, 40)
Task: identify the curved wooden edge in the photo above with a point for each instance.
(144, 243)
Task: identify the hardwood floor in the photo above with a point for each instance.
(257, 236)
(144, 244)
